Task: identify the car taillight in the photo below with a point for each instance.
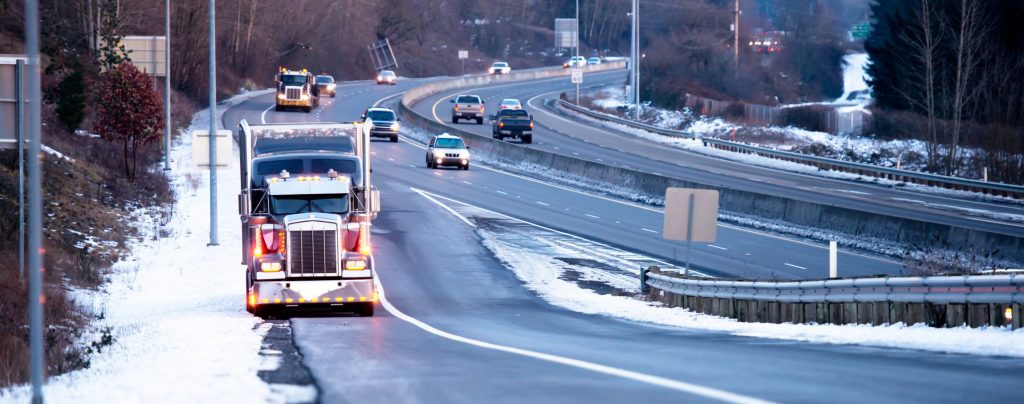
(531, 125)
(456, 107)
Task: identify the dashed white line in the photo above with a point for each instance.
(647, 230)
(542, 203)
(467, 182)
(575, 154)
(502, 192)
(794, 266)
(718, 247)
(593, 216)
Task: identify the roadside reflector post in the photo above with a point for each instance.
(833, 258)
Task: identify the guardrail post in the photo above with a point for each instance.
(643, 278)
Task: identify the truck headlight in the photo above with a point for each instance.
(355, 264)
(270, 267)
(394, 126)
(304, 96)
(280, 96)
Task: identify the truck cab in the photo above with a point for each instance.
(306, 208)
(514, 123)
(296, 89)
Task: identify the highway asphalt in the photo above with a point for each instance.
(457, 326)
(579, 138)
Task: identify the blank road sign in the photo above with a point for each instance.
(9, 118)
(463, 54)
(147, 53)
(677, 214)
(201, 148)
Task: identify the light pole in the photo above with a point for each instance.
(35, 217)
(167, 85)
(213, 127)
(578, 49)
(635, 56)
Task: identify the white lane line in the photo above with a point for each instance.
(677, 385)
(575, 154)
(601, 160)
(542, 203)
(595, 217)
(410, 165)
(718, 247)
(502, 192)
(263, 116)
(439, 174)
(794, 266)
(647, 230)
(557, 148)
(467, 182)
(390, 159)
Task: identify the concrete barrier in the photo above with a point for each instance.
(772, 207)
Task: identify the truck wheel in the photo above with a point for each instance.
(365, 310)
(334, 95)
(307, 109)
(479, 121)
(455, 119)
(394, 139)
(277, 108)
(527, 139)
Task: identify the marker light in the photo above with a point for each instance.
(1008, 314)
(363, 246)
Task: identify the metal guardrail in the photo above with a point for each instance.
(996, 289)
(965, 184)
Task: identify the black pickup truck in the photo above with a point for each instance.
(515, 123)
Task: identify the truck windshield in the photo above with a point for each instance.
(449, 143)
(381, 115)
(468, 99)
(292, 204)
(293, 80)
(324, 79)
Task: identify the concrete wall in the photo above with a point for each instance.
(772, 207)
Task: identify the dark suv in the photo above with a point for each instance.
(383, 123)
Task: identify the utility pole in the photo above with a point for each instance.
(35, 216)
(167, 85)
(736, 38)
(636, 59)
(632, 54)
(578, 49)
(213, 127)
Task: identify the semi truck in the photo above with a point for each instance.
(306, 205)
(296, 89)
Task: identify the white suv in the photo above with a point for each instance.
(447, 150)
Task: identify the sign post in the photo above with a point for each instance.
(463, 55)
(12, 133)
(690, 215)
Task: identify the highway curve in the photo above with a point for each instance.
(460, 327)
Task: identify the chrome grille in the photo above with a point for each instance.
(452, 155)
(313, 252)
(293, 93)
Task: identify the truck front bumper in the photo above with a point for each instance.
(295, 103)
(302, 292)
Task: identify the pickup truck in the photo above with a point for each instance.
(515, 123)
(468, 107)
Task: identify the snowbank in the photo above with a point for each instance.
(174, 307)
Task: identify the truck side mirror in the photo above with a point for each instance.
(374, 200)
(467, 147)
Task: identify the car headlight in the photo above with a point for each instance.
(331, 86)
(379, 78)
(394, 126)
(438, 154)
(280, 96)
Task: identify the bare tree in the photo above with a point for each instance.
(921, 66)
(969, 35)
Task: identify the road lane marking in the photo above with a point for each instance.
(542, 203)
(502, 192)
(794, 266)
(263, 116)
(718, 247)
(595, 217)
(647, 230)
(677, 385)
(467, 182)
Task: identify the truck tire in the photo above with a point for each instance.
(455, 119)
(365, 309)
(307, 109)
(277, 108)
(466, 167)
(480, 121)
(527, 139)
(394, 138)
(334, 95)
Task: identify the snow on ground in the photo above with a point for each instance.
(544, 275)
(174, 307)
(855, 77)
